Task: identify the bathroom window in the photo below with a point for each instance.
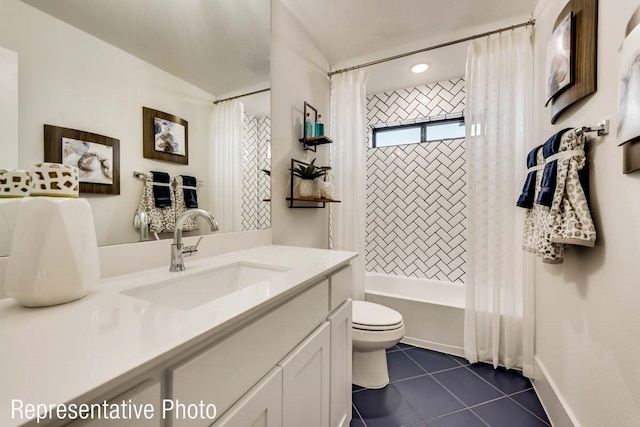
(419, 132)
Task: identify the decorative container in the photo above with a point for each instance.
(54, 253)
(309, 188)
(54, 180)
(326, 190)
(8, 215)
(14, 183)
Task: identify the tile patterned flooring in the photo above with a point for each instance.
(431, 389)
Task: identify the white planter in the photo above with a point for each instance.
(14, 183)
(8, 215)
(309, 189)
(54, 179)
(54, 252)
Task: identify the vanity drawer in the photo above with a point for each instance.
(341, 287)
(149, 392)
(223, 373)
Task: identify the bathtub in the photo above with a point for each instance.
(433, 311)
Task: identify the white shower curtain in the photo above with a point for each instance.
(225, 165)
(499, 108)
(348, 159)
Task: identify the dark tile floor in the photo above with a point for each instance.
(431, 389)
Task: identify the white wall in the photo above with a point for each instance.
(587, 309)
(71, 79)
(298, 74)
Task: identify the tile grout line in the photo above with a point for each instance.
(467, 367)
(526, 409)
(359, 414)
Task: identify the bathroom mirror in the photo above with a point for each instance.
(93, 66)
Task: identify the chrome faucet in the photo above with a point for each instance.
(178, 250)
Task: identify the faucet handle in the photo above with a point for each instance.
(190, 250)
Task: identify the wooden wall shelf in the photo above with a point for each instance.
(311, 142)
(316, 140)
(305, 202)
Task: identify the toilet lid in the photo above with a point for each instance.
(372, 316)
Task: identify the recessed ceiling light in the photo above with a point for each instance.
(419, 68)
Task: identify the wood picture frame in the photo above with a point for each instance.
(165, 137)
(585, 22)
(97, 157)
(561, 58)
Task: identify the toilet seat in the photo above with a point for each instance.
(369, 316)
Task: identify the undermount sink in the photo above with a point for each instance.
(188, 292)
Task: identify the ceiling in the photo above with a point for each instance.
(220, 46)
(357, 31)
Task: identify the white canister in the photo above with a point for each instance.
(54, 253)
(54, 180)
(309, 189)
(14, 183)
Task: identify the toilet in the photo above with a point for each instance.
(375, 329)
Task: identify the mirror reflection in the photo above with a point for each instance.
(93, 67)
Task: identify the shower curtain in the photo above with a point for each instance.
(499, 286)
(225, 165)
(348, 159)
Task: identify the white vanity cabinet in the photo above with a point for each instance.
(306, 377)
(149, 392)
(260, 407)
(341, 362)
(286, 364)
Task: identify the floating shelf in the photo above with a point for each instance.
(311, 142)
(306, 202)
(316, 140)
(306, 199)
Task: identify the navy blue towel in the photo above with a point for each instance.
(550, 174)
(529, 190)
(190, 194)
(161, 193)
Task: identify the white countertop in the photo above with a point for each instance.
(58, 354)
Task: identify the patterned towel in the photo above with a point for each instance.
(158, 201)
(568, 220)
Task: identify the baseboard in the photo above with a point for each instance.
(552, 400)
(429, 345)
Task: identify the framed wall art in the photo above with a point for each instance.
(96, 157)
(584, 55)
(165, 137)
(629, 95)
(560, 61)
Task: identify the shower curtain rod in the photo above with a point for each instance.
(217, 101)
(531, 22)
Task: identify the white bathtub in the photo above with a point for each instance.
(433, 311)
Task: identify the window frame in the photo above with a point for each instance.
(423, 130)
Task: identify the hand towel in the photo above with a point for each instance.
(161, 189)
(158, 201)
(186, 198)
(528, 191)
(190, 187)
(549, 176)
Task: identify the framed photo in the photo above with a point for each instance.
(629, 83)
(96, 157)
(165, 137)
(560, 64)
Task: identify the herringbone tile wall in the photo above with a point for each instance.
(256, 135)
(416, 193)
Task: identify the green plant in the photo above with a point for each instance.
(310, 171)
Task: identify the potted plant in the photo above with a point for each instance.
(308, 174)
